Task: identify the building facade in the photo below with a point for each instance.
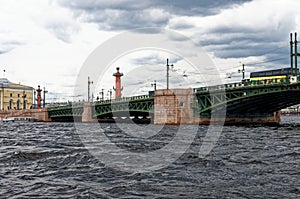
(15, 96)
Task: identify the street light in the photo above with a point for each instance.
(154, 84)
(44, 98)
(110, 93)
(243, 72)
(228, 75)
(89, 82)
(102, 94)
(168, 73)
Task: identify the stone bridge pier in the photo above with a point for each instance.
(173, 106)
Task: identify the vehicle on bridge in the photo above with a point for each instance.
(283, 75)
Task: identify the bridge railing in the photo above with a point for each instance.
(68, 106)
(124, 99)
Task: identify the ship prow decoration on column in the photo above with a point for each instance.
(118, 89)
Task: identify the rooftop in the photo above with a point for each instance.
(5, 83)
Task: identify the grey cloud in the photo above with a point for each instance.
(154, 59)
(177, 7)
(62, 30)
(236, 40)
(129, 14)
(7, 46)
(181, 25)
(122, 19)
(242, 40)
(242, 44)
(271, 51)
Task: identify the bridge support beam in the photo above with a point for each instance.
(87, 113)
(271, 119)
(173, 106)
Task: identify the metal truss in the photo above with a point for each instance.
(142, 105)
(250, 100)
(66, 111)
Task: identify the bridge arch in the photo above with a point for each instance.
(250, 100)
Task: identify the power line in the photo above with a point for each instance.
(268, 61)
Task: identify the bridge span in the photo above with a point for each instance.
(237, 102)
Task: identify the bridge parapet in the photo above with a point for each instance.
(141, 104)
(123, 99)
(66, 111)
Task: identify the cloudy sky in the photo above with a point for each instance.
(45, 42)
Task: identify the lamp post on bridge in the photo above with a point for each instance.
(243, 72)
(102, 94)
(110, 93)
(228, 75)
(168, 73)
(44, 98)
(154, 85)
(89, 82)
(294, 54)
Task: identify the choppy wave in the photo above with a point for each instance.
(48, 160)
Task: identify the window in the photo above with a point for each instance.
(25, 104)
(18, 95)
(10, 95)
(181, 104)
(18, 105)
(10, 104)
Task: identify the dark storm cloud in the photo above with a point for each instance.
(239, 41)
(129, 14)
(196, 7)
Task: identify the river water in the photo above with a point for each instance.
(49, 160)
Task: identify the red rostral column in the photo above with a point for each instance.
(39, 98)
(118, 88)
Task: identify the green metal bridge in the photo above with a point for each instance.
(240, 100)
(137, 106)
(246, 100)
(66, 113)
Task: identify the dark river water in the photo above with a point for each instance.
(49, 160)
